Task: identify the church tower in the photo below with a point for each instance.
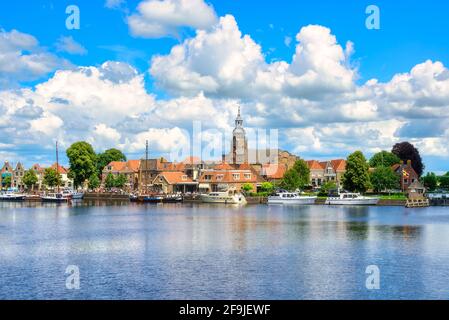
(239, 144)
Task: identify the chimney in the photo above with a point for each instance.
(409, 163)
(401, 162)
(223, 158)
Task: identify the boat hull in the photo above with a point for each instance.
(299, 201)
(352, 202)
(54, 200)
(223, 200)
(13, 198)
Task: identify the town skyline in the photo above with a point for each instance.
(117, 89)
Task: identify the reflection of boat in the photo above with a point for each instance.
(290, 198)
(172, 198)
(223, 197)
(9, 196)
(347, 198)
(55, 197)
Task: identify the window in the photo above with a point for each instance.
(184, 178)
(247, 176)
(236, 176)
(208, 177)
(220, 177)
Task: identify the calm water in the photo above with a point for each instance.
(216, 252)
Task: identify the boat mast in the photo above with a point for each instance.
(146, 167)
(57, 166)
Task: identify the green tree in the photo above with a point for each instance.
(7, 181)
(83, 161)
(247, 187)
(430, 181)
(356, 177)
(103, 159)
(325, 188)
(109, 183)
(120, 181)
(291, 180)
(384, 178)
(444, 181)
(303, 171)
(406, 151)
(383, 159)
(52, 178)
(29, 178)
(94, 182)
(267, 187)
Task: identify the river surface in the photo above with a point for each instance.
(190, 251)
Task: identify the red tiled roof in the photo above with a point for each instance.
(339, 164)
(61, 169)
(121, 166)
(314, 165)
(226, 176)
(274, 171)
(223, 166)
(174, 177)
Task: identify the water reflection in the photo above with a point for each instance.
(191, 251)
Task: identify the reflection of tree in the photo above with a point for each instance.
(357, 230)
(406, 232)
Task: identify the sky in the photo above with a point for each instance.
(146, 69)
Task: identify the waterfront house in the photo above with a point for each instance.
(274, 173)
(66, 181)
(225, 176)
(407, 174)
(322, 172)
(6, 171)
(174, 182)
(19, 171)
(40, 171)
(151, 168)
(130, 169)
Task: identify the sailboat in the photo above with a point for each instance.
(58, 196)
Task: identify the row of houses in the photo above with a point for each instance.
(16, 173)
(194, 175)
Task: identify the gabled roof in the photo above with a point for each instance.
(314, 165)
(125, 167)
(173, 177)
(224, 166)
(338, 164)
(274, 171)
(398, 168)
(61, 169)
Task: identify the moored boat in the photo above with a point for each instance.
(223, 197)
(290, 198)
(348, 198)
(9, 196)
(58, 197)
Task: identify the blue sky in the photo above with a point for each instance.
(411, 33)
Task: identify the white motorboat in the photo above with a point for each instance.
(290, 198)
(72, 194)
(223, 197)
(9, 196)
(55, 197)
(348, 198)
